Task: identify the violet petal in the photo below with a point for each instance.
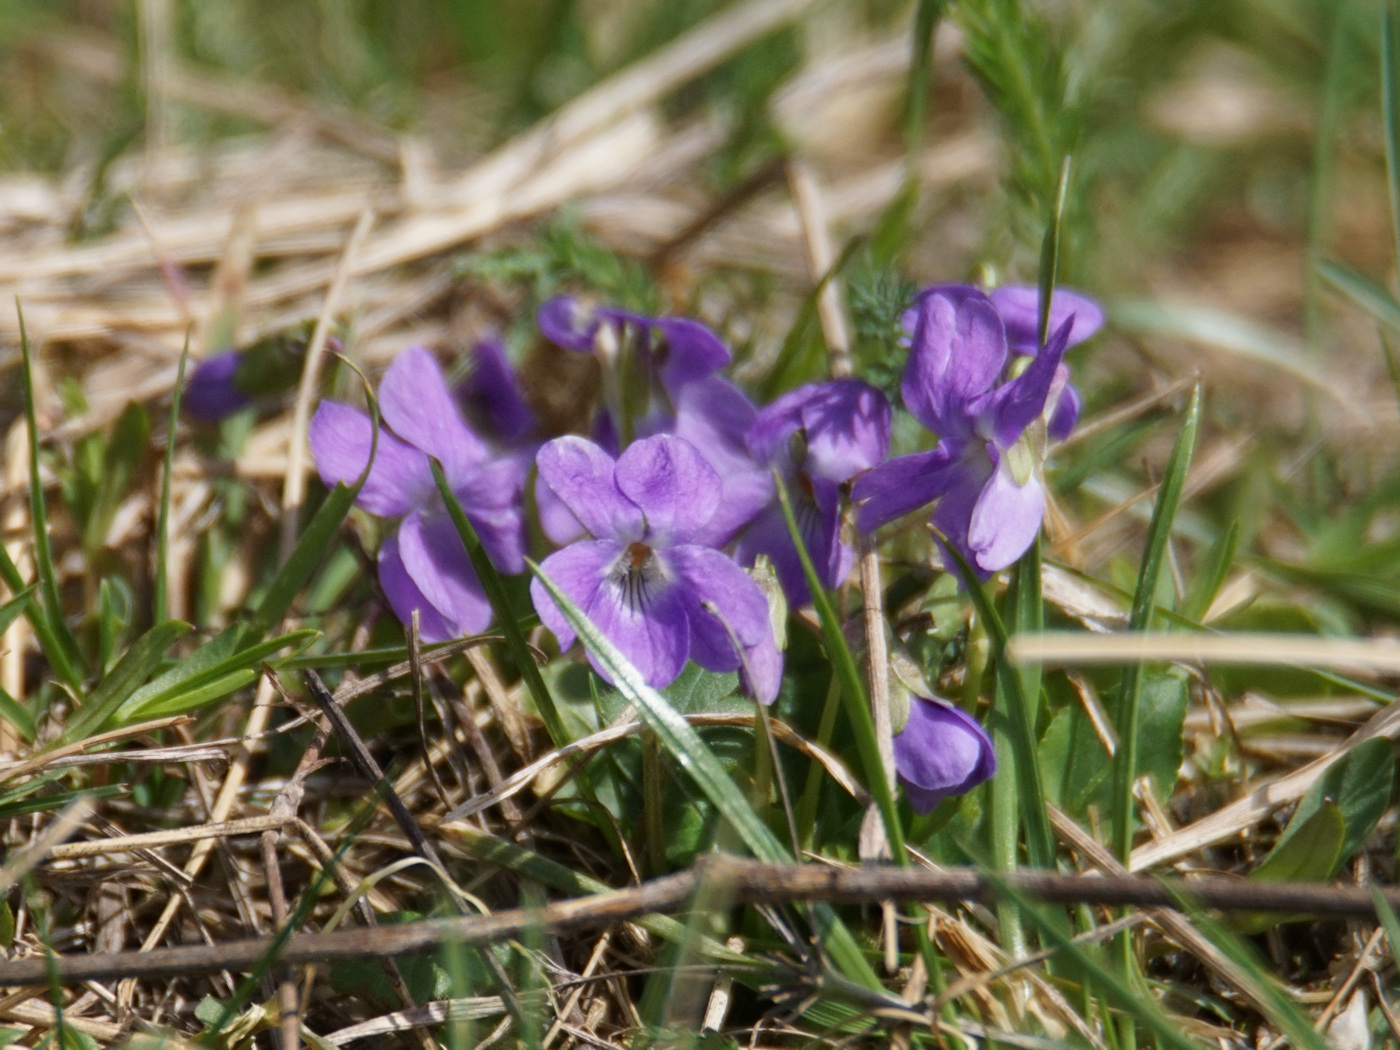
(210, 393)
(565, 323)
(958, 352)
(1066, 414)
(1018, 403)
(648, 624)
(1005, 520)
(492, 497)
(492, 394)
(404, 596)
(416, 403)
(672, 483)
(438, 565)
(582, 475)
(692, 352)
(578, 570)
(904, 484)
(1019, 306)
(340, 438)
(942, 751)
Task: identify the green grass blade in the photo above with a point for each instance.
(1040, 843)
(505, 615)
(1282, 1012)
(1390, 107)
(11, 610)
(1124, 997)
(853, 693)
(15, 713)
(39, 621)
(1363, 291)
(1218, 562)
(1140, 619)
(214, 670)
(135, 666)
(310, 548)
(1389, 921)
(161, 600)
(65, 656)
(700, 764)
(1050, 255)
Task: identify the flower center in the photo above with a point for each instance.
(638, 574)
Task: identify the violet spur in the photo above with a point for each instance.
(647, 579)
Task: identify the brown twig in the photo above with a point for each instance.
(749, 882)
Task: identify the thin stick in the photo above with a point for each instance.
(750, 882)
(1358, 656)
(294, 488)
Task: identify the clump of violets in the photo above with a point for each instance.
(647, 579)
(817, 438)
(993, 422)
(422, 565)
(941, 751)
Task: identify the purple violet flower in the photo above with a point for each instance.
(646, 579)
(493, 400)
(817, 437)
(941, 751)
(422, 565)
(993, 430)
(672, 351)
(211, 392)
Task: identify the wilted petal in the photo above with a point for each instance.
(692, 352)
(492, 394)
(1019, 306)
(578, 570)
(672, 483)
(1066, 414)
(565, 323)
(438, 565)
(582, 475)
(417, 405)
(1018, 403)
(404, 596)
(904, 484)
(210, 393)
(942, 751)
(1005, 520)
(958, 351)
(340, 439)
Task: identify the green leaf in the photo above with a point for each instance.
(1125, 766)
(131, 671)
(692, 754)
(7, 925)
(1310, 849)
(209, 672)
(1358, 786)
